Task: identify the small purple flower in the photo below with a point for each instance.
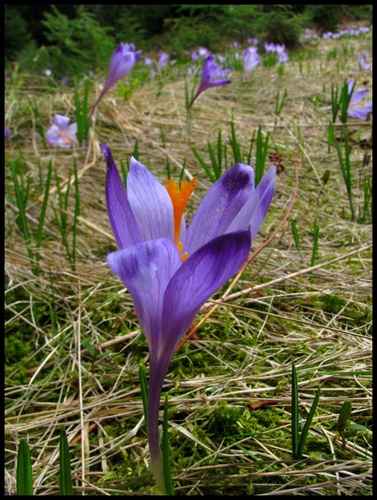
(163, 59)
(283, 57)
(170, 270)
(363, 62)
(212, 76)
(357, 107)
(64, 80)
(251, 59)
(200, 54)
(6, 132)
(269, 47)
(252, 41)
(61, 133)
(122, 61)
(148, 61)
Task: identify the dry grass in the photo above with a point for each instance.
(281, 308)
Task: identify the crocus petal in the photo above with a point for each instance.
(220, 206)
(253, 212)
(358, 96)
(204, 272)
(72, 129)
(146, 269)
(150, 202)
(122, 219)
(361, 111)
(61, 121)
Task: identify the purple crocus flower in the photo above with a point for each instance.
(212, 76)
(122, 61)
(357, 107)
(251, 59)
(163, 59)
(171, 271)
(6, 132)
(61, 133)
(363, 60)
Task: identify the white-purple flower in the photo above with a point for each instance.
(163, 59)
(363, 60)
(212, 76)
(357, 107)
(251, 59)
(61, 133)
(200, 53)
(170, 270)
(122, 61)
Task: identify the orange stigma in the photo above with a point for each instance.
(179, 194)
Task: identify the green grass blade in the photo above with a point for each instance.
(165, 451)
(201, 161)
(24, 478)
(308, 422)
(20, 199)
(219, 151)
(295, 415)
(345, 166)
(215, 166)
(65, 464)
(144, 390)
(234, 144)
(262, 147)
(345, 99)
(124, 172)
(335, 102)
(38, 237)
(296, 238)
(76, 214)
(344, 415)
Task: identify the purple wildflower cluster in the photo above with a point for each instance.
(280, 50)
(347, 32)
(163, 59)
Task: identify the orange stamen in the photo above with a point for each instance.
(179, 195)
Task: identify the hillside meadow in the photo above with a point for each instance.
(73, 343)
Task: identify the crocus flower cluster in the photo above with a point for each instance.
(122, 61)
(357, 107)
(281, 51)
(346, 32)
(201, 53)
(251, 59)
(61, 133)
(212, 76)
(170, 270)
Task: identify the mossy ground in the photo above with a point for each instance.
(230, 387)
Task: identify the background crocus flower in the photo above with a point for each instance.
(6, 132)
(251, 59)
(363, 60)
(212, 76)
(61, 133)
(163, 59)
(171, 271)
(122, 61)
(357, 107)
